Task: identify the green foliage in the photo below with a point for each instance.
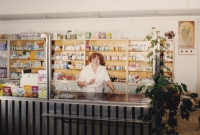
(165, 94)
(165, 98)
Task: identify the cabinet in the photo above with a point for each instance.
(125, 59)
(115, 57)
(26, 54)
(3, 59)
(168, 59)
(114, 52)
(138, 67)
(67, 61)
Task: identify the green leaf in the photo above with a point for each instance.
(184, 87)
(172, 122)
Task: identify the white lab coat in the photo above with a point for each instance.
(100, 77)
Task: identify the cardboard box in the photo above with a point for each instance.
(27, 91)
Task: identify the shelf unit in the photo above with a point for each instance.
(138, 61)
(169, 58)
(3, 59)
(125, 58)
(67, 58)
(26, 54)
(114, 52)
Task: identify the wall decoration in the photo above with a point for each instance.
(186, 34)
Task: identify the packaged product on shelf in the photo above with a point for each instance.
(102, 35)
(87, 35)
(73, 36)
(35, 91)
(81, 35)
(109, 35)
(1, 90)
(69, 34)
(1, 36)
(42, 90)
(42, 76)
(55, 35)
(17, 92)
(27, 91)
(6, 90)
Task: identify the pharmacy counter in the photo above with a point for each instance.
(107, 98)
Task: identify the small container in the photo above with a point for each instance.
(69, 34)
(73, 36)
(109, 35)
(105, 57)
(118, 68)
(87, 35)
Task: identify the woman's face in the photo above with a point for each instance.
(96, 61)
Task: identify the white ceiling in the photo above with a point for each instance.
(104, 14)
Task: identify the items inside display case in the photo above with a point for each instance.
(126, 61)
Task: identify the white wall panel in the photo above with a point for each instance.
(54, 6)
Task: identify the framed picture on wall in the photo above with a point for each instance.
(186, 34)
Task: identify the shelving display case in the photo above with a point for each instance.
(3, 59)
(138, 67)
(26, 54)
(168, 59)
(115, 57)
(114, 52)
(67, 60)
(126, 60)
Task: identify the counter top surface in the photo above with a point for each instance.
(86, 96)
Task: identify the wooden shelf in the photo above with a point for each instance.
(118, 70)
(64, 69)
(28, 59)
(67, 60)
(67, 39)
(105, 51)
(115, 60)
(137, 51)
(25, 50)
(65, 81)
(3, 78)
(26, 68)
(68, 51)
(139, 71)
(168, 62)
(138, 61)
(27, 40)
(106, 39)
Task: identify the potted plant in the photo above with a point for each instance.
(166, 96)
(170, 34)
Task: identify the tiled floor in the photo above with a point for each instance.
(189, 127)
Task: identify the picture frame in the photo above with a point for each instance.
(186, 34)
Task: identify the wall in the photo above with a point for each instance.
(50, 6)
(137, 28)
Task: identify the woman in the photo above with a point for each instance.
(93, 76)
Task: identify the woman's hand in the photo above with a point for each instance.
(118, 93)
(92, 81)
